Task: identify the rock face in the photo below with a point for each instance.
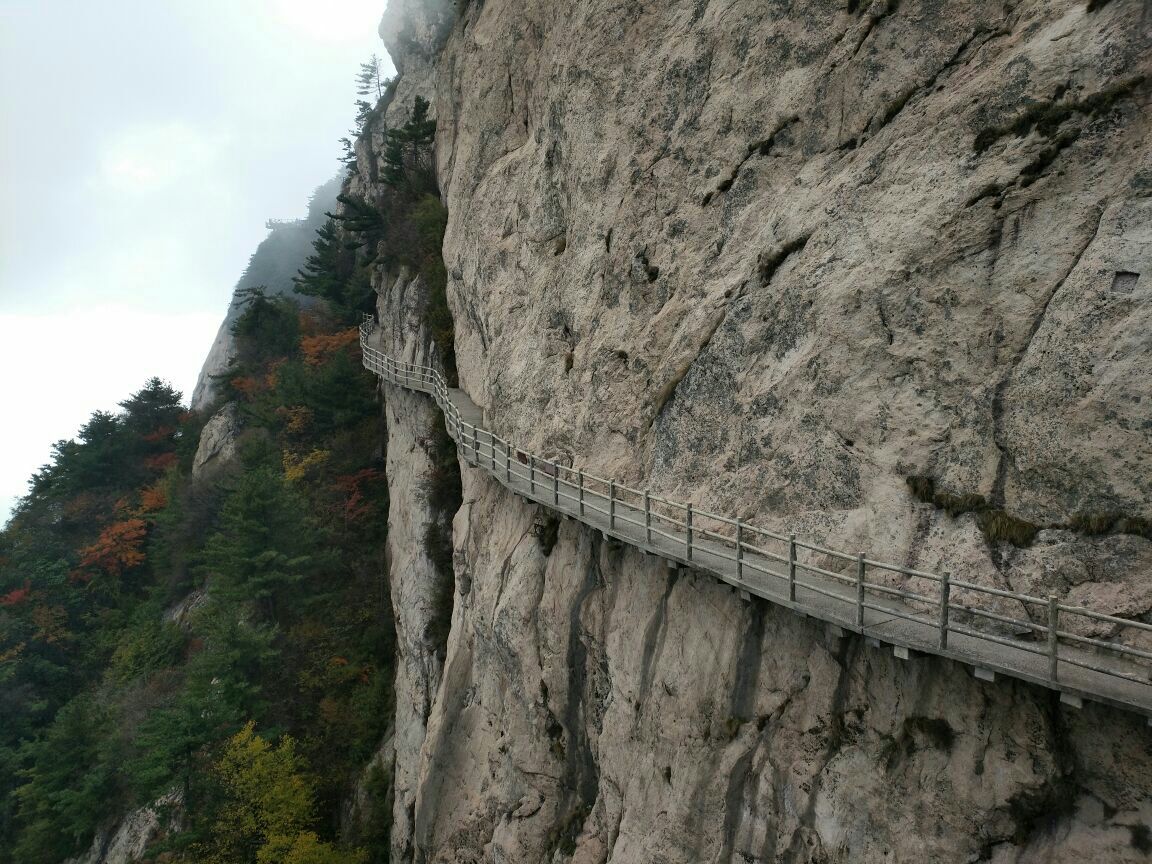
(218, 442)
(775, 261)
(127, 841)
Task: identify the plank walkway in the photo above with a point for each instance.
(1079, 667)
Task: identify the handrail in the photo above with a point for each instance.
(700, 537)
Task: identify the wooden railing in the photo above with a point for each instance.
(1055, 644)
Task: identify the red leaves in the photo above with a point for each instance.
(17, 595)
(118, 548)
(355, 505)
(247, 386)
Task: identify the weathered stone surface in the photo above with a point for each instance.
(217, 447)
(183, 613)
(126, 841)
(749, 255)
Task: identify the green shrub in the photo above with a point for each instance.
(923, 488)
(999, 526)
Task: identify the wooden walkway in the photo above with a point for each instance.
(1051, 647)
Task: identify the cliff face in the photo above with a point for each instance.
(774, 261)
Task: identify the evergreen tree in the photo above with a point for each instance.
(370, 82)
(265, 544)
(268, 327)
(408, 151)
(320, 276)
(68, 786)
(154, 409)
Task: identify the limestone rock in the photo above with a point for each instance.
(775, 260)
(125, 842)
(183, 612)
(217, 447)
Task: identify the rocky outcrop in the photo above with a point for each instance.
(126, 842)
(776, 261)
(218, 443)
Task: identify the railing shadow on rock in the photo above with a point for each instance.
(1077, 651)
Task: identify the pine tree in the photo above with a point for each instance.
(408, 151)
(320, 276)
(369, 81)
(265, 544)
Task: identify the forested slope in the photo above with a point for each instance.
(222, 642)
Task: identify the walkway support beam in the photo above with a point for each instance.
(945, 599)
(688, 532)
(792, 568)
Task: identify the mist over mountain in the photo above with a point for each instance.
(273, 265)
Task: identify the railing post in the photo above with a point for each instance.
(531, 474)
(612, 504)
(739, 550)
(555, 484)
(860, 592)
(792, 568)
(945, 598)
(1053, 641)
(508, 462)
(688, 532)
(580, 493)
(647, 517)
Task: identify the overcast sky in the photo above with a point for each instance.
(143, 145)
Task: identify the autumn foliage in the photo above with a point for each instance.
(320, 348)
(118, 548)
(17, 595)
(153, 498)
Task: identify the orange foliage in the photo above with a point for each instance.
(317, 349)
(153, 498)
(273, 376)
(17, 595)
(118, 548)
(247, 386)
